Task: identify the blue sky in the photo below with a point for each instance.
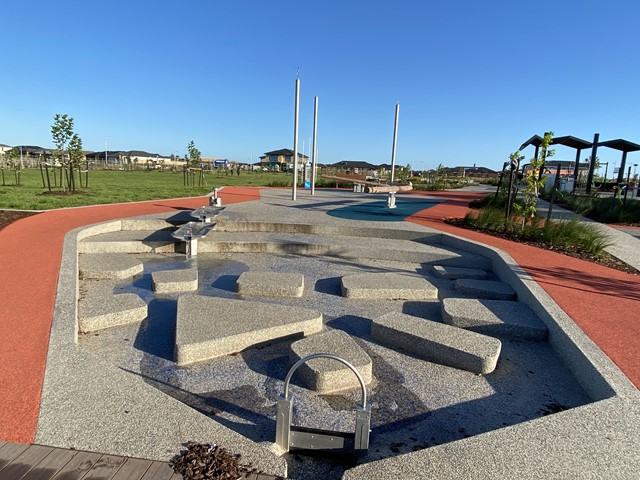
(474, 79)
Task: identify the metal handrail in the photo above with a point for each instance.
(330, 356)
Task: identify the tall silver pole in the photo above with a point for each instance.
(395, 137)
(294, 186)
(313, 151)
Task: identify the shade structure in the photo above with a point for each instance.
(625, 147)
(579, 145)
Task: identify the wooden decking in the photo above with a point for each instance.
(37, 462)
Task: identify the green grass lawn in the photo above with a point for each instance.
(119, 186)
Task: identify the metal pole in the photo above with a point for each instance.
(626, 188)
(623, 163)
(592, 165)
(294, 184)
(556, 182)
(575, 170)
(313, 152)
(395, 137)
(606, 171)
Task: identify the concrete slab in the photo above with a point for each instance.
(109, 265)
(488, 289)
(454, 273)
(270, 284)
(128, 241)
(387, 286)
(437, 342)
(96, 313)
(209, 327)
(172, 281)
(325, 375)
(494, 318)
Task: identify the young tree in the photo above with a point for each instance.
(62, 133)
(75, 157)
(193, 156)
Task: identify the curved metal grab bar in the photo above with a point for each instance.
(330, 356)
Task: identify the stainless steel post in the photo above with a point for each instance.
(313, 152)
(395, 137)
(294, 185)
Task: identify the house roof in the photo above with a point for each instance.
(286, 152)
(474, 169)
(353, 164)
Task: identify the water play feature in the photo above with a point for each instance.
(225, 347)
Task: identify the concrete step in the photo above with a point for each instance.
(109, 265)
(129, 241)
(175, 280)
(494, 317)
(488, 289)
(270, 284)
(104, 311)
(341, 246)
(385, 286)
(454, 273)
(437, 342)
(326, 375)
(210, 327)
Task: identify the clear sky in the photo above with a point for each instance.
(474, 79)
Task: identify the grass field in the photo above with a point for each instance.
(119, 186)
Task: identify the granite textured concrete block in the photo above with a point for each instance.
(96, 313)
(128, 241)
(270, 284)
(210, 327)
(454, 273)
(387, 286)
(494, 317)
(109, 265)
(327, 375)
(488, 289)
(437, 342)
(171, 281)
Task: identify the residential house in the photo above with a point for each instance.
(281, 159)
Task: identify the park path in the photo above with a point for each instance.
(30, 255)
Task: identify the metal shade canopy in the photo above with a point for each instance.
(536, 141)
(624, 146)
(573, 142)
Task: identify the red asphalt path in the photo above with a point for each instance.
(605, 303)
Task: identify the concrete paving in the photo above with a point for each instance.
(437, 342)
(494, 317)
(325, 375)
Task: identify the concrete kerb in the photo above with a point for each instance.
(125, 415)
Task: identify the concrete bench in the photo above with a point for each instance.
(177, 280)
(485, 289)
(109, 265)
(270, 284)
(494, 317)
(454, 273)
(210, 327)
(324, 375)
(437, 342)
(97, 313)
(387, 286)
